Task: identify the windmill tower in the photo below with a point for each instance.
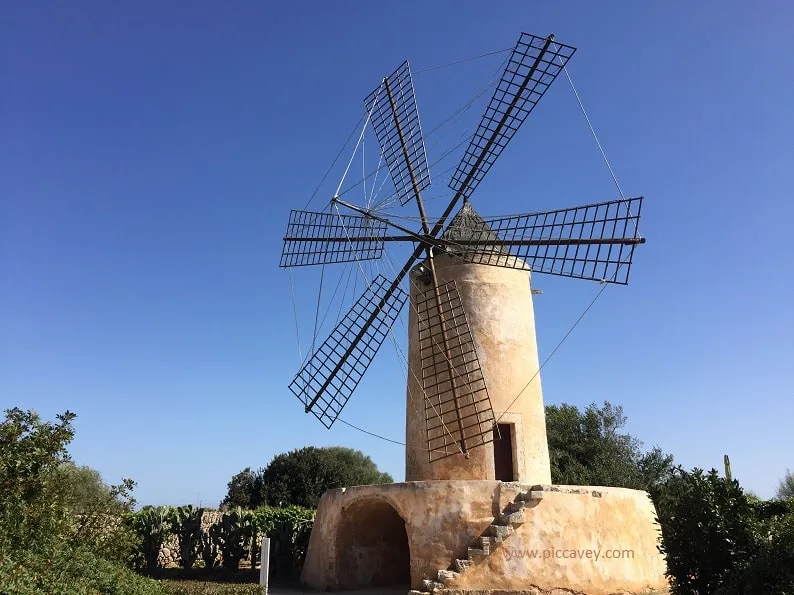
(475, 422)
(490, 332)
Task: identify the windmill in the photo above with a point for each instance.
(594, 241)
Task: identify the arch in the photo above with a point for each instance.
(372, 546)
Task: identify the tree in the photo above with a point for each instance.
(786, 487)
(45, 546)
(300, 477)
(587, 448)
(240, 490)
(32, 507)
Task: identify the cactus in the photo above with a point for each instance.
(232, 535)
(209, 551)
(153, 526)
(186, 524)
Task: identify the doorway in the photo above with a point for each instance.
(372, 547)
(503, 452)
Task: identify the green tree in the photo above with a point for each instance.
(786, 487)
(301, 476)
(45, 544)
(241, 489)
(32, 502)
(588, 448)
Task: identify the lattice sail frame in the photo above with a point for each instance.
(456, 412)
(532, 67)
(594, 242)
(325, 238)
(341, 361)
(405, 169)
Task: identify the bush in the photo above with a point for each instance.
(718, 540)
(289, 529)
(69, 571)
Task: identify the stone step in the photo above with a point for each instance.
(485, 544)
(461, 565)
(513, 518)
(500, 532)
(476, 554)
(431, 586)
(446, 576)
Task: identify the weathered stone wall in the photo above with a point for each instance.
(444, 520)
(169, 554)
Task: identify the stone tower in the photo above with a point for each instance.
(498, 305)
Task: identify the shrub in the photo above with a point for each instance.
(718, 540)
(69, 571)
(289, 529)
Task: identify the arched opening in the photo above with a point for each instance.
(372, 547)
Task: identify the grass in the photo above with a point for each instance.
(220, 581)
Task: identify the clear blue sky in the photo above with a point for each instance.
(150, 154)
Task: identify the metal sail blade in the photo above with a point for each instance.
(395, 120)
(332, 373)
(324, 238)
(594, 241)
(531, 69)
(458, 412)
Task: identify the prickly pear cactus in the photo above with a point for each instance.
(232, 534)
(186, 524)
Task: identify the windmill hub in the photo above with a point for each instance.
(477, 462)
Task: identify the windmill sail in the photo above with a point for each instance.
(395, 120)
(327, 380)
(532, 67)
(325, 238)
(594, 241)
(458, 412)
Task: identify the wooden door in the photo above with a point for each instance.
(503, 453)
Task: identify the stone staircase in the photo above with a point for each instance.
(502, 528)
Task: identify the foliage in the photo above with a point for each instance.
(786, 487)
(289, 529)
(300, 477)
(587, 448)
(32, 504)
(65, 570)
(717, 540)
(186, 525)
(153, 526)
(242, 489)
(203, 588)
(232, 534)
(61, 527)
(98, 511)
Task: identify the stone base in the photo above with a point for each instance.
(486, 537)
